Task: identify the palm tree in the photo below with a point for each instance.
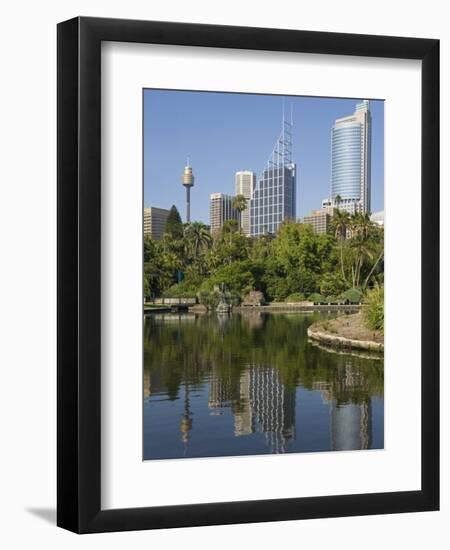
(353, 225)
(229, 227)
(240, 204)
(197, 235)
(377, 261)
(361, 229)
(340, 223)
(365, 225)
(363, 251)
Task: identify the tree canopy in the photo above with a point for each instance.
(174, 225)
(294, 262)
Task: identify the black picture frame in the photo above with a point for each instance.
(79, 281)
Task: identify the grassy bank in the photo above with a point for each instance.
(347, 331)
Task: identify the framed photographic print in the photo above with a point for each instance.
(248, 258)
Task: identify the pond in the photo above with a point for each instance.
(251, 383)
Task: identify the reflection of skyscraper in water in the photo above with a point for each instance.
(351, 426)
(350, 423)
(222, 391)
(243, 416)
(154, 383)
(260, 403)
(272, 406)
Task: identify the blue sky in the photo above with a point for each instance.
(227, 132)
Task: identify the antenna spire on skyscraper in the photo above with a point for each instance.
(274, 196)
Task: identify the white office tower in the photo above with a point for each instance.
(245, 183)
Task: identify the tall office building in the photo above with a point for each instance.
(155, 222)
(245, 183)
(274, 197)
(351, 161)
(220, 210)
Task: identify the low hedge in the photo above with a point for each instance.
(316, 298)
(296, 297)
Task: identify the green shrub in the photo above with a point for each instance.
(332, 300)
(208, 298)
(147, 290)
(315, 297)
(232, 298)
(332, 284)
(211, 299)
(181, 290)
(236, 277)
(296, 297)
(352, 295)
(373, 310)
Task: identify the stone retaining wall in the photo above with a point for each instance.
(341, 342)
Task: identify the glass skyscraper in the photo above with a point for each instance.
(274, 197)
(350, 161)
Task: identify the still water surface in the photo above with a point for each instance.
(251, 383)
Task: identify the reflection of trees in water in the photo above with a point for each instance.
(253, 363)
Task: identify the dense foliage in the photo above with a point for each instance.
(373, 310)
(296, 263)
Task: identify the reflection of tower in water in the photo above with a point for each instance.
(350, 423)
(266, 406)
(222, 391)
(351, 426)
(273, 407)
(186, 419)
(243, 414)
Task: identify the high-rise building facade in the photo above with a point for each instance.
(274, 197)
(351, 161)
(245, 182)
(220, 210)
(155, 221)
(320, 220)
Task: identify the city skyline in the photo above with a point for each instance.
(313, 120)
